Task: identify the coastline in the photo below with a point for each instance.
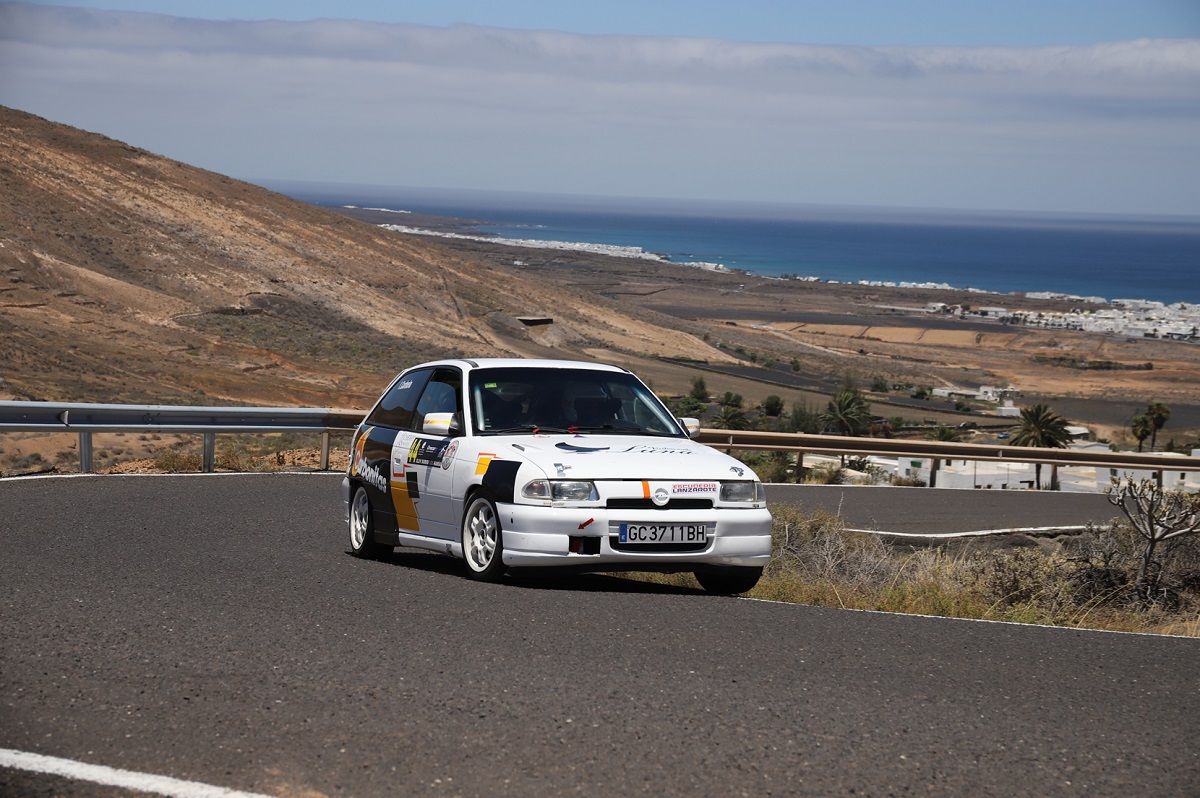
(640, 253)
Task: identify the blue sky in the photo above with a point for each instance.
(869, 22)
(1060, 106)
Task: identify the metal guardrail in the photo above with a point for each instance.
(938, 451)
(86, 419)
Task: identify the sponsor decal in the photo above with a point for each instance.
(736, 470)
(356, 454)
(484, 460)
(561, 469)
(587, 523)
(405, 385)
(426, 452)
(570, 447)
(448, 454)
(653, 450)
(359, 467)
(500, 479)
(683, 488)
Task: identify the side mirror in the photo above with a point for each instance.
(443, 424)
(691, 426)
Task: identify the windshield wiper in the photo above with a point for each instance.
(615, 429)
(533, 428)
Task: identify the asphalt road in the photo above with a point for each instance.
(214, 629)
(925, 510)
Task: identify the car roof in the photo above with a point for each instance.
(517, 362)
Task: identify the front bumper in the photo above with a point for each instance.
(536, 535)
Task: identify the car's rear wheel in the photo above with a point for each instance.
(730, 580)
(362, 527)
(482, 541)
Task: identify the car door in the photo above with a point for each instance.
(426, 459)
(372, 462)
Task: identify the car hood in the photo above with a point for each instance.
(626, 457)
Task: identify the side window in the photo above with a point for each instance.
(395, 409)
(442, 395)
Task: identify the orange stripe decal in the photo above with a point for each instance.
(645, 489)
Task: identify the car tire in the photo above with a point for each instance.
(483, 541)
(730, 580)
(361, 525)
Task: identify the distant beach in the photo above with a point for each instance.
(1086, 257)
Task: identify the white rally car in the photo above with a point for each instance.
(517, 463)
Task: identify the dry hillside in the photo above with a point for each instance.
(125, 276)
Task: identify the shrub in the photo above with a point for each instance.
(824, 475)
(174, 460)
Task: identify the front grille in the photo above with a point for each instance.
(647, 504)
(614, 542)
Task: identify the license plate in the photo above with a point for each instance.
(663, 533)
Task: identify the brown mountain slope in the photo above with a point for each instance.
(125, 276)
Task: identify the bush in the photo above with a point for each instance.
(772, 405)
(825, 475)
(803, 418)
(699, 390)
(730, 399)
(770, 466)
(816, 560)
(879, 384)
(174, 460)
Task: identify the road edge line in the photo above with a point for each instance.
(115, 777)
(1021, 624)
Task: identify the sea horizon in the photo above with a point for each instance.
(1107, 256)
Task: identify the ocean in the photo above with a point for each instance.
(1109, 257)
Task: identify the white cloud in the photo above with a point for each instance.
(1105, 127)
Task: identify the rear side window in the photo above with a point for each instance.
(442, 395)
(395, 409)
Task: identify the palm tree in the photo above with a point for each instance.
(730, 417)
(944, 433)
(847, 413)
(1142, 428)
(1158, 413)
(1043, 428)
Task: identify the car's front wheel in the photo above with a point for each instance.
(482, 541)
(730, 580)
(362, 527)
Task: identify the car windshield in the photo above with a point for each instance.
(524, 399)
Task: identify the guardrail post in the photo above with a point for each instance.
(1158, 477)
(325, 450)
(1054, 476)
(85, 453)
(210, 451)
(799, 466)
(933, 469)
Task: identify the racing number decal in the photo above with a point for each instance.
(404, 494)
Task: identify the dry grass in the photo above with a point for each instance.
(817, 562)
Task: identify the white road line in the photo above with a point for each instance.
(1031, 530)
(1087, 629)
(112, 777)
(181, 474)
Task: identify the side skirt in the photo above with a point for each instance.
(427, 543)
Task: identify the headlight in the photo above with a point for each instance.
(743, 492)
(561, 490)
